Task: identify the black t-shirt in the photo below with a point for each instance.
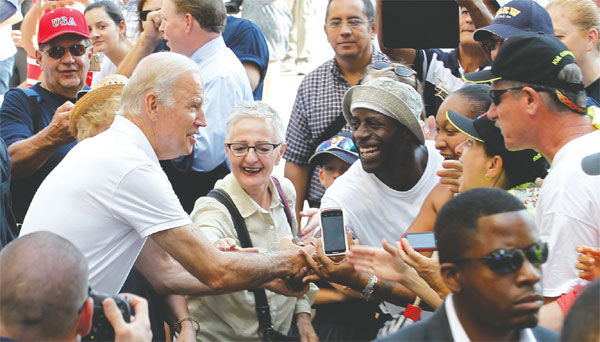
(593, 90)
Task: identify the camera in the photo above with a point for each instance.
(101, 328)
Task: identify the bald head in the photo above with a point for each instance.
(44, 282)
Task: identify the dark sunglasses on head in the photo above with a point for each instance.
(400, 70)
(508, 260)
(144, 14)
(57, 52)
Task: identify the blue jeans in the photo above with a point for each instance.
(6, 70)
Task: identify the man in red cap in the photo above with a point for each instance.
(34, 122)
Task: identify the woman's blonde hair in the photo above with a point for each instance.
(583, 13)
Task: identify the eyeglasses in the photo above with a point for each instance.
(262, 149)
(340, 142)
(400, 70)
(352, 23)
(57, 52)
(491, 44)
(512, 259)
(144, 14)
(496, 94)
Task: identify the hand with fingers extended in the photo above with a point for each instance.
(386, 265)
(337, 270)
(588, 262)
(313, 223)
(427, 268)
(230, 245)
(138, 330)
(450, 174)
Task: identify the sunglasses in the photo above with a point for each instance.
(144, 14)
(400, 70)
(491, 44)
(57, 52)
(496, 94)
(511, 259)
(343, 143)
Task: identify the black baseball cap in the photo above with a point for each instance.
(484, 130)
(529, 57)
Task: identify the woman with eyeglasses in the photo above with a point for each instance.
(254, 146)
(107, 28)
(577, 25)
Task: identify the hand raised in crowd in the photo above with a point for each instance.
(450, 174)
(337, 270)
(313, 223)
(305, 328)
(427, 268)
(151, 33)
(385, 265)
(429, 128)
(588, 262)
(58, 129)
(138, 330)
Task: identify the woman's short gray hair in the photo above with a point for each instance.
(156, 73)
(256, 109)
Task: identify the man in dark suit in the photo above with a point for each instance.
(490, 259)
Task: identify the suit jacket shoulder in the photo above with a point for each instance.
(434, 328)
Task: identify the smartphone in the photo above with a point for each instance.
(421, 242)
(420, 24)
(333, 230)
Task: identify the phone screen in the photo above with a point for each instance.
(421, 241)
(334, 239)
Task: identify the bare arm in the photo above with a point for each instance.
(28, 155)
(299, 175)
(253, 72)
(178, 310)
(229, 271)
(146, 43)
(17, 17)
(479, 11)
(406, 56)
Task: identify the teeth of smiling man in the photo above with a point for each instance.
(367, 150)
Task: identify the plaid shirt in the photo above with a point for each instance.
(318, 104)
(129, 11)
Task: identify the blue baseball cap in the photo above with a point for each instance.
(341, 146)
(515, 17)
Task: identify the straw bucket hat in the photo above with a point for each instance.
(104, 90)
(391, 98)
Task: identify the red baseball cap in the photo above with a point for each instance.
(60, 21)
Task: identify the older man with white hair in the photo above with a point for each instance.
(110, 194)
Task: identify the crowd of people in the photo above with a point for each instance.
(141, 163)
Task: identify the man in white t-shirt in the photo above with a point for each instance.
(110, 195)
(382, 193)
(545, 109)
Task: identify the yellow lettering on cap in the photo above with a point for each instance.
(507, 12)
(561, 55)
(514, 12)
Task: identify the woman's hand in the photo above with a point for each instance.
(305, 328)
(450, 174)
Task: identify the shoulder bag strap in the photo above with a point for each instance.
(263, 312)
(288, 213)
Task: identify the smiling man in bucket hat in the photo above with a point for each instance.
(539, 103)
(382, 193)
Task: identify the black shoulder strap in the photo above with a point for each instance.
(286, 207)
(263, 312)
(35, 111)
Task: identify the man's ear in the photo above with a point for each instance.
(151, 104)
(189, 20)
(85, 318)
(451, 276)
(38, 56)
(494, 166)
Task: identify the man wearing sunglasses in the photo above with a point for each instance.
(35, 122)
(539, 102)
(490, 258)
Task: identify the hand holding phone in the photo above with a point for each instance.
(333, 230)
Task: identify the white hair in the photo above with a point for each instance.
(156, 73)
(256, 109)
